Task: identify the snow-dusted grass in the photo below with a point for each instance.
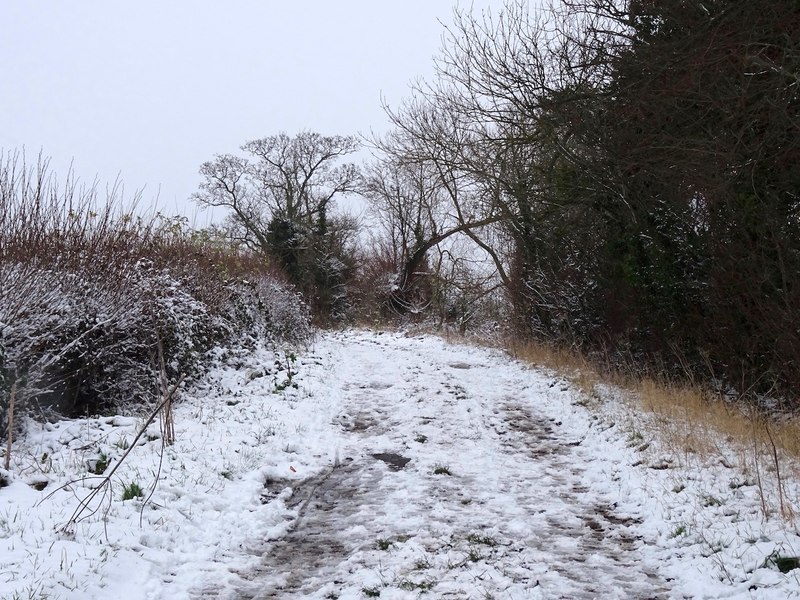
(297, 490)
(204, 492)
(697, 430)
(692, 426)
(718, 497)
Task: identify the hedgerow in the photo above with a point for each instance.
(93, 301)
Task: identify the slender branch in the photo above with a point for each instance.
(86, 502)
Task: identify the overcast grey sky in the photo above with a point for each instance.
(150, 89)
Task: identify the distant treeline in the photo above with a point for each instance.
(631, 170)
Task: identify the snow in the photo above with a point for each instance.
(384, 464)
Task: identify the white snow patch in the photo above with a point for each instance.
(508, 487)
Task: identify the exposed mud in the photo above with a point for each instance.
(395, 461)
(517, 517)
(308, 556)
(599, 535)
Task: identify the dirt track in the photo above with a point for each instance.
(516, 515)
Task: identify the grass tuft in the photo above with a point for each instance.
(484, 540)
(131, 491)
(383, 544)
(371, 592)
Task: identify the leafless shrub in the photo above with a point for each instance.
(87, 291)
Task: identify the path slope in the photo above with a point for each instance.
(460, 473)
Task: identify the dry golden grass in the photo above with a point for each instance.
(688, 421)
(692, 419)
(692, 425)
(569, 363)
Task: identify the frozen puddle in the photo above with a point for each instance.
(490, 489)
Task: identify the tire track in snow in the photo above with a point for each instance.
(607, 541)
(520, 515)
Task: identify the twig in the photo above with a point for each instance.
(753, 419)
(784, 511)
(167, 422)
(84, 504)
(10, 420)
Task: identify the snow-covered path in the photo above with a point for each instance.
(384, 465)
(454, 475)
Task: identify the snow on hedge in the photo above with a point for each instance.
(87, 338)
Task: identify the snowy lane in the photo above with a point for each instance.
(500, 496)
(379, 465)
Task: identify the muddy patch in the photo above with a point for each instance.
(522, 431)
(329, 507)
(377, 386)
(460, 365)
(395, 461)
(358, 423)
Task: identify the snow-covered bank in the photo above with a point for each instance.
(388, 466)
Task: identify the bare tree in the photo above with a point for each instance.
(298, 178)
(228, 183)
(421, 201)
(294, 179)
(280, 197)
